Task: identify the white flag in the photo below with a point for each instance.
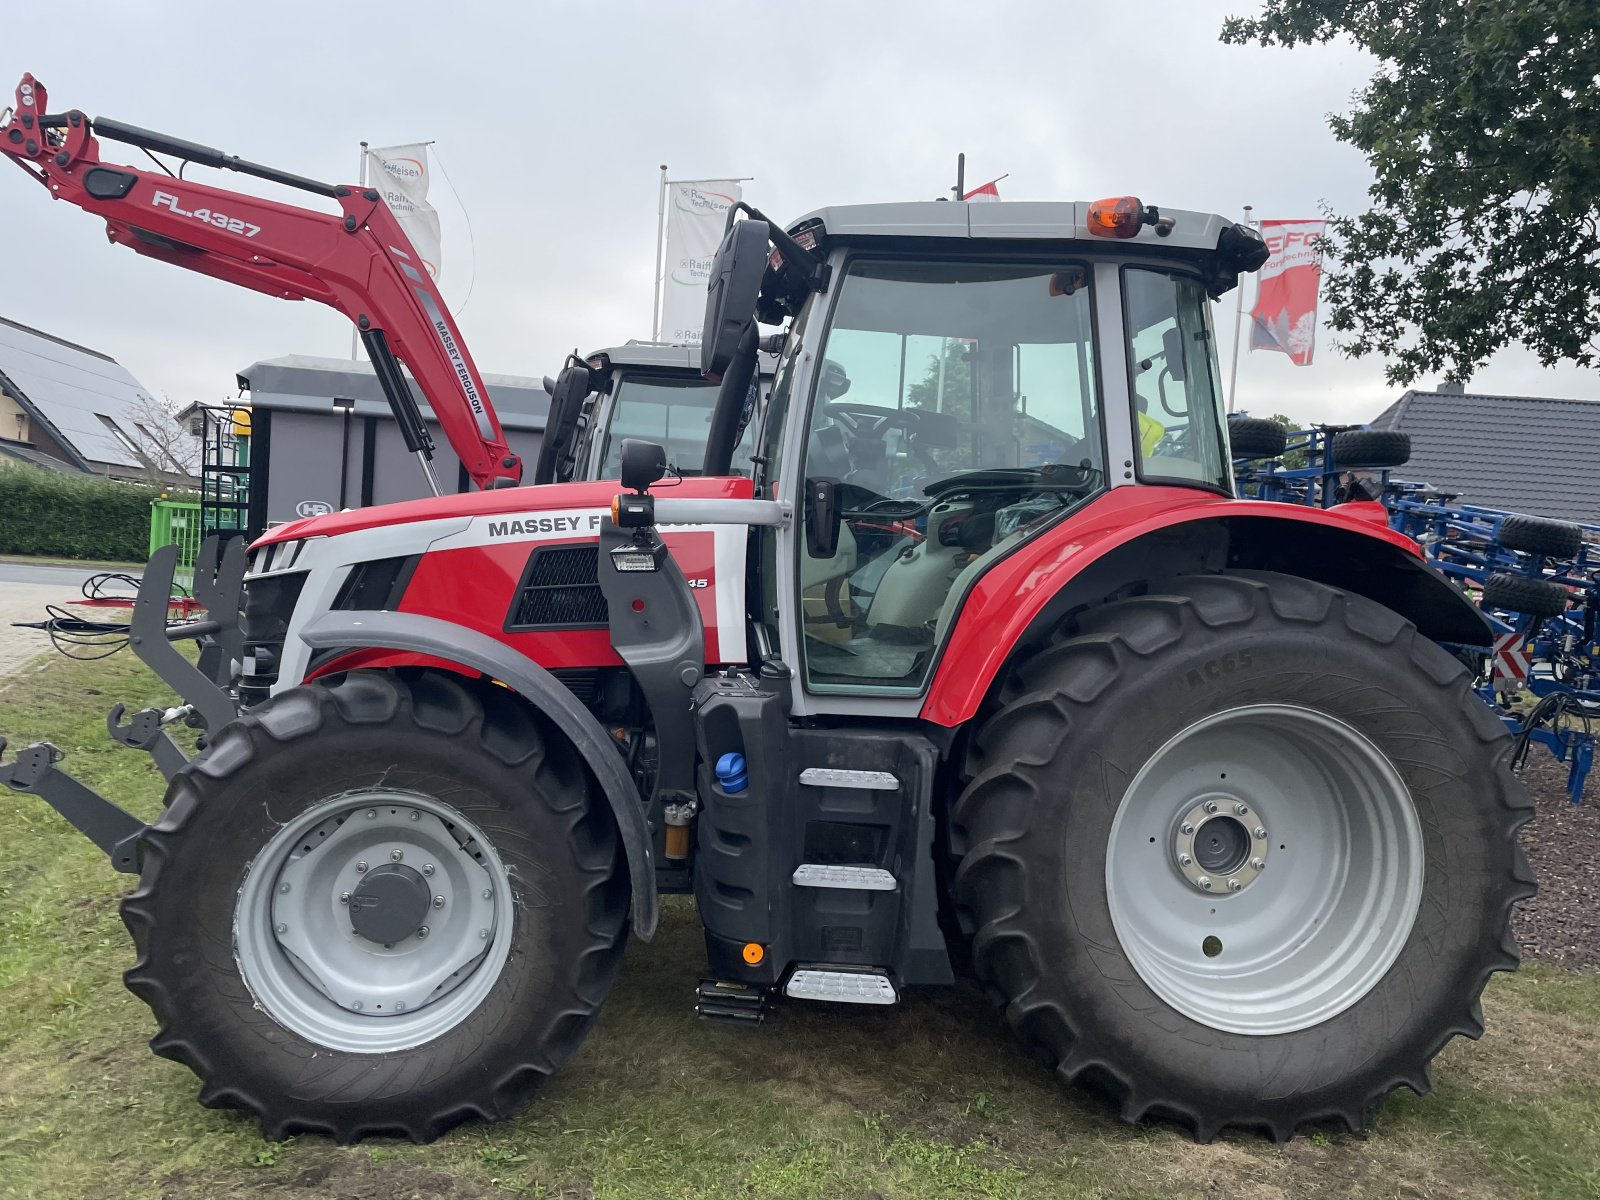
(400, 174)
(696, 214)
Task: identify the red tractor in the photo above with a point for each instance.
(980, 669)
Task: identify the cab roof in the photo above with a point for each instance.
(1012, 220)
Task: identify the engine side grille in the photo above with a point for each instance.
(560, 590)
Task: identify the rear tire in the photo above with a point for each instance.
(1044, 883)
(269, 1035)
(1537, 535)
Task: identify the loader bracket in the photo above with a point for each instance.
(144, 732)
(111, 828)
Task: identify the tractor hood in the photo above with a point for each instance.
(503, 501)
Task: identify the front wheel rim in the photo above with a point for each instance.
(1292, 917)
(295, 935)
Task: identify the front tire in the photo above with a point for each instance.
(1328, 965)
(378, 906)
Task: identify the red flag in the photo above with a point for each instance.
(987, 192)
(1285, 315)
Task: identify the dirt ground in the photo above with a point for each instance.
(1561, 925)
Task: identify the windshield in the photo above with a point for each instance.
(1172, 364)
(956, 404)
(674, 412)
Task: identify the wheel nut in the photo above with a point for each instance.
(1259, 832)
(427, 868)
(415, 815)
(487, 894)
(1211, 806)
(399, 1006)
(372, 813)
(1186, 828)
(1184, 860)
(356, 1004)
(283, 889)
(1258, 863)
(1205, 882)
(344, 897)
(483, 935)
(1234, 885)
(438, 901)
(281, 928)
(396, 855)
(360, 867)
(1240, 810)
(423, 932)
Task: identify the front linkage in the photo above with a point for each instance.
(206, 690)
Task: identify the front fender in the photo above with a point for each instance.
(1131, 535)
(413, 634)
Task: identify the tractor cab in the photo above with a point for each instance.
(953, 380)
(649, 390)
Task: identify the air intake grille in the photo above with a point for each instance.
(560, 589)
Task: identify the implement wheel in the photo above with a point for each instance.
(377, 906)
(1241, 852)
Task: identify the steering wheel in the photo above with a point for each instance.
(862, 422)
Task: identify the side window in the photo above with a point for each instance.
(1173, 379)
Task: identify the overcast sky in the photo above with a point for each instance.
(550, 121)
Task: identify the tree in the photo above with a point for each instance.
(1482, 127)
(169, 452)
(1293, 459)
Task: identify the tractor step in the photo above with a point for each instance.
(863, 879)
(871, 781)
(724, 1000)
(841, 987)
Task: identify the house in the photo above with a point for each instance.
(1527, 454)
(69, 408)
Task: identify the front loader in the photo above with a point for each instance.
(979, 669)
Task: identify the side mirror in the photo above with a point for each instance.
(822, 518)
(642, 463)
(566, 400)
(1172, 347)
(731, 295)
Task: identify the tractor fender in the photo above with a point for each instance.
(430, 636)
(1132, 535)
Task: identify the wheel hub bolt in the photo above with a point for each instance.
(396, 855)
(356, 1004)
(344, 897)
(1234, 885)
(1184, 860)
(372, 814)
(423, 932)
(399, 1006)
(1258, 863)
(487, 894)
(1205, 882)
(438, 901)
(415, 815)
(1186, 828)
(1240, 810)
(1259, 832)
(483, 935)
(283, 889)
(427, 868)
(281, 928)
(361, 868)
(1211, 806)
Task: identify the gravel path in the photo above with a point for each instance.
(1561, 924)
(25, 602)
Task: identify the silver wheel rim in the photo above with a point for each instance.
(1320, 904)
(307, 967)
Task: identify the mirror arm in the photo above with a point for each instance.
(800, 264)
(723, 437)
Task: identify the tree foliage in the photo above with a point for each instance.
(1482, 127)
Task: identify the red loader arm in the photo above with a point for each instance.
(360, 263)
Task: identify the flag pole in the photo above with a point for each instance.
(1238, 322)
(661, 233)
(354, 357)
(960, 188)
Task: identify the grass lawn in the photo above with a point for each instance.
(928, 1099)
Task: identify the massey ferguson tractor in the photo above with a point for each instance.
(978, 669)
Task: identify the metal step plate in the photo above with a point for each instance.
(861, 879)
(840, 987)
(871, 781)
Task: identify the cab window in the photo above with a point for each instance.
(1177, 395)
(673, 412)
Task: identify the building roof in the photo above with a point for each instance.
(73, 391)
(1528, 454)
(303, 383)
(23, 452)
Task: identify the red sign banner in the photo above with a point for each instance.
(1285, 315)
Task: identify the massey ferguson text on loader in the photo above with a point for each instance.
(981, 669)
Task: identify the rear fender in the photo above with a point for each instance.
(468, 651)
(1093, 557)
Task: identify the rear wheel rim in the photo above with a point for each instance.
(1311, 916)
(403, 866)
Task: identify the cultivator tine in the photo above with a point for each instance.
(145, 732)
(102, 822)
(152, 639)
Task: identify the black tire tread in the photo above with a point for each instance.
(992, 815)
(429, 701)
(1253, 437)
(1541, 536)
(1357, 448)
(1518, 593)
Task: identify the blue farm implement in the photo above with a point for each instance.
(1536, 580)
